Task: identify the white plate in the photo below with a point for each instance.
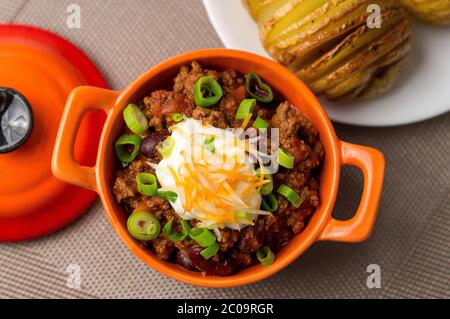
(421, 92)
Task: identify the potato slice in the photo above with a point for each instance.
(376, 79)
(432, 11)
(363, 58)
(275, 19)
(293, 16)
(329, 44)
(336, 22)
(383, 81)
(357, 40)
(265, 9)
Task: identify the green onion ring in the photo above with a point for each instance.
(257, 88)
(245, 108)
(261, 124)
(186, 227)
(266, 189)
(172, 235)
(209, 144)
(168, 196)
(166, 147)
(244, 217)
(269, 203)
(207, 92)
(265, 256)
(210, 251)
(135, 119)
(202, 236)
(147, 184)
(295, 199)
(285, 159)
(143, 225)
(127, 140)
(177, 117)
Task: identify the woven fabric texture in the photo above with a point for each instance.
(410, 241)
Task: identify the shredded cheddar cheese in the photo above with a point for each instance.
(212, 186)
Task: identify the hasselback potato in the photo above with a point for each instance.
(432, 11)
(331, 45)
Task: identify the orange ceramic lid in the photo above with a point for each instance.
(38, 70)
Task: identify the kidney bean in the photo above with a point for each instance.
(251, 240)
(149, 144)
(211, 267)
(182, 259)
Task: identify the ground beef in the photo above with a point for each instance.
(163, 247)
(125, 189)
(210, 117)
(251, 239)
(297, 134)
(187, 77)
(230, 104)
(237, 248)
(228, 238)
(161, 105)
(158, 206)
(241, 259)
(126, 192)
(231, 80)
(265, 113)
(153, 108)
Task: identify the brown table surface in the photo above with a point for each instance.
(410, 241)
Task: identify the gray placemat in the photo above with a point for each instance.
(425, 270)
(125, 38)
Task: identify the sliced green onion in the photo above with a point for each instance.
(147, 184)
(209, 144)
(171, 234)
(210, 139)
(202, 236)
(265, 256)
(168, 195)
(210, 147)
(260, 124)
(135, 119)
(143, 225)
(257, 88)
(123, 143)
(295, 199)
(166, 147)
(177, 117)
(285, 159)
(186, 227)
(210, 251)
(269, 203)
(207, 92)
(266, 189)
(245, 108)
(243, 217)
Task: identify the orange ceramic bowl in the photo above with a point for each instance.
(321, 226)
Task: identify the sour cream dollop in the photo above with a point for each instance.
(213, 175)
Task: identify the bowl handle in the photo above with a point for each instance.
(81, 100)
(372, 163)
